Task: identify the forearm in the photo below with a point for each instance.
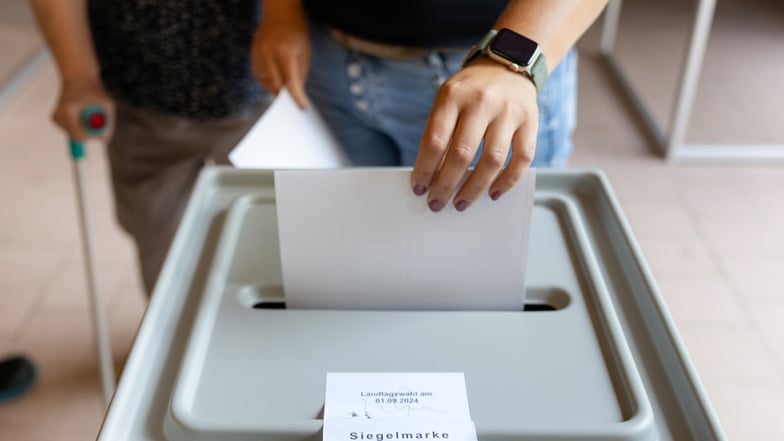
(555, 25)
(276, 9)
(66, 30)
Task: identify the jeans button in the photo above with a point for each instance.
(354, 70)
(355, 88)
(361, 105)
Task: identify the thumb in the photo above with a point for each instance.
(295, 82)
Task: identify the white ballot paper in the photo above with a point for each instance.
(288, 137)
(397, 406)
(360, 239)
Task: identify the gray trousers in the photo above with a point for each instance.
(154, 161)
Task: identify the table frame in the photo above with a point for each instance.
(672, 144)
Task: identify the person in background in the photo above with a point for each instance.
(388, 76)
(17, 376)
(175, 78)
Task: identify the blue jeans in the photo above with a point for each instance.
(378, 108)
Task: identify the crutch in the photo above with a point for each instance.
(95, 121)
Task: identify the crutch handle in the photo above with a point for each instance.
(94, 121)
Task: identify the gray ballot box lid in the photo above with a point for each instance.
(593, 355)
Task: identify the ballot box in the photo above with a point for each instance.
(592, 355)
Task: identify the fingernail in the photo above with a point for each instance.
(419, 189)
(495, 195)
(436, 205)
(462, 205)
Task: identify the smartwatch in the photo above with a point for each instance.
(517, 52)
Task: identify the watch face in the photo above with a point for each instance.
(514, 47)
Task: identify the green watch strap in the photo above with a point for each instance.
(538, 73)
(479, 50)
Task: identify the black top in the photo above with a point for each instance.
(182, 57)
(416, 23)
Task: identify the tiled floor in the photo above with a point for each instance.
(714, 237)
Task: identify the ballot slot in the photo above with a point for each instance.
(528, 307)
(537, 299)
